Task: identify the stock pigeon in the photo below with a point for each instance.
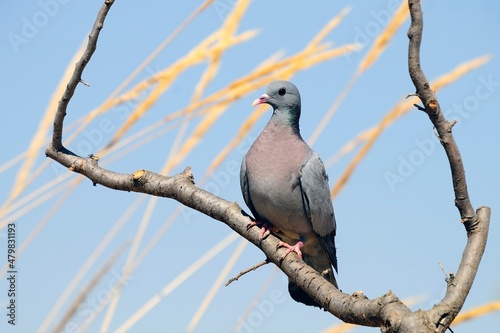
(285, 185)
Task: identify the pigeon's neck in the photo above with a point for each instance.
(280, 130)
(286, 119)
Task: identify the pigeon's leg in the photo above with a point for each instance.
(295, 248)
(265, 228)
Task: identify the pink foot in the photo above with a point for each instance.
(290, 248)
(265, 228)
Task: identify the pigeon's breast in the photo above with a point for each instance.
(273, 171)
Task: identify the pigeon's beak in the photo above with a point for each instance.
(262, 99)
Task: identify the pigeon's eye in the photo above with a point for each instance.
(282, 91)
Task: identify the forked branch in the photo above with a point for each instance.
(354, 309)
(476, 225)
(387, 311)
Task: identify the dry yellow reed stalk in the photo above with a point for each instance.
(91, 260)
(37, 143)
(128, 267)
(400, 109)
(236, 92)
(212, 47)
(265, 285)
(294, 63)
(381, 42)
(460, 70)
(165, 80)
(247, 81)
(195, 138)
(226, 33)
(332, 24)
(113, 100)
(372, 55)
(242, 133)
(478, 311)
(350, 146)
(156, 299)
(340, 328)
(226, 39)
(88, 288)
(300, 62)
(221, 278)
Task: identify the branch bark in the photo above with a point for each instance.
(77, 75)
(475, 223)
(433, 110)
(387, 311)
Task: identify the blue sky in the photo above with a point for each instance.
(391, 234)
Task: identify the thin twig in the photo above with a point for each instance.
(79, 300)
(248, 270)
(77, 75)
(442, 269)
(84, 83)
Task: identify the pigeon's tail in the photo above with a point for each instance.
(323, 266)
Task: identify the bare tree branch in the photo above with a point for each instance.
(353, 309)
(77, 75)
(387, 311)
(476, 225)
(433, 110)
(459, 285)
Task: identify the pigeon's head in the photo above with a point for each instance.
(284, 97)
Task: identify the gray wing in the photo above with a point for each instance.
(318, 205)
(245, 187)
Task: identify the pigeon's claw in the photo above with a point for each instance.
(252, 224)
(289, 248)
(265, 228)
